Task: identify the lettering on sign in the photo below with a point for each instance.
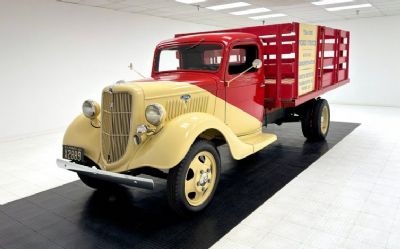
(307, 57)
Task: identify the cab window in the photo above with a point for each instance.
(241, 58)
(198, 57)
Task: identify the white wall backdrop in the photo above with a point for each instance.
(55, 55)
(374, 62)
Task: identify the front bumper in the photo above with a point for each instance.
(128, 180)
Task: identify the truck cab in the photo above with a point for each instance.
(211, 62)
(206, 89)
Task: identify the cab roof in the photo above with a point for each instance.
(225, 37)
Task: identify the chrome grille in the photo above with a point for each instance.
(116, 120)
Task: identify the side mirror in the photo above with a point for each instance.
(257, 63)
(130, 66)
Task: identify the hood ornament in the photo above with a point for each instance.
(185, 98)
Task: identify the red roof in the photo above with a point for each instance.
(225, 37)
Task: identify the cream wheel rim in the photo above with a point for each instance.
(324, 119)
(200, 178)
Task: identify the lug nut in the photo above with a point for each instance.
(208, 170)
(198, 183)
(209, 180)
(201, 171)
(203, 188)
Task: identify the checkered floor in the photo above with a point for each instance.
(349, 198)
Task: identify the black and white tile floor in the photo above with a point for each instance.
(339, 194)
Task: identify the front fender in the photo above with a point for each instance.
(82, 134)
(168, 147)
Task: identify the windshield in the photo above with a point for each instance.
(202, 57)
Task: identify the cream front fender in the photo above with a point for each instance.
(81, 133)
(168, 147)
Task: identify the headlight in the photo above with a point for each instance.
(90, 109)
(155, 114)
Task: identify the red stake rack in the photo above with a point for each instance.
(281, 55)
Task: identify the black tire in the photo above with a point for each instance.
(178, 175)
(318, 132)
(311, 122)
(306, 124)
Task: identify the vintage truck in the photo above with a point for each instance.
(206, 89)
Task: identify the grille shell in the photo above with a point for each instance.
(116, 124)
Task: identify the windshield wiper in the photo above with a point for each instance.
(195, 45)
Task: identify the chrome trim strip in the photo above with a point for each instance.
(132, 181)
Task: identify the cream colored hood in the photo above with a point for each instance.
(163, 89)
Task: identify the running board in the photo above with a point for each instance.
(259, 140)
(128, 180)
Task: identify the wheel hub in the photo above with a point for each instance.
(324, 119)
(200, 178)
(203, 179)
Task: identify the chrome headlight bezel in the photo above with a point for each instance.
(91, 109)
(155, 114)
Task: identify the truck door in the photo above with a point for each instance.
(244, 96)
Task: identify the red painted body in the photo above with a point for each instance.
(275, 43)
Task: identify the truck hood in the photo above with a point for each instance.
(162, 87)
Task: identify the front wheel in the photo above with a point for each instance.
(191, 184)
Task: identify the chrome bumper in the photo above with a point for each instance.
(132, 181)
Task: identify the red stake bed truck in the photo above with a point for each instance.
(207, 89)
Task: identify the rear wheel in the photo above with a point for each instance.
(316, 120)
(306, 119)
(191, 184)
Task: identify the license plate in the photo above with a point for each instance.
(73, 153)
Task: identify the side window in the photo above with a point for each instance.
(212, 57)
(241, 58)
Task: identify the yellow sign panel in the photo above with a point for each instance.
(307, 57)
